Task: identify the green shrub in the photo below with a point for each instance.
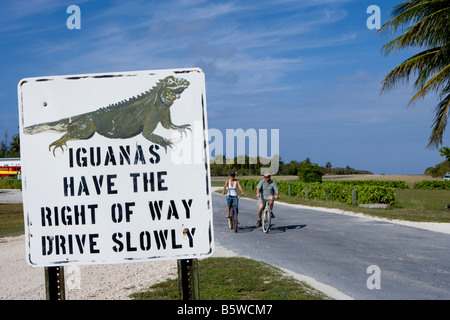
(432, 185)
(310, 173)
(337, 190)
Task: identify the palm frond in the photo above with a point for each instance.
(434, 84)
(437, 63)
(426, 25)
(403, 71)
(409, 12)
(440, 123)
(431, 31)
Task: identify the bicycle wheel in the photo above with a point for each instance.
(234, 217)
(230, 219)
(266, 220)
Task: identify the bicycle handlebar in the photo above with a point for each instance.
(269, 198)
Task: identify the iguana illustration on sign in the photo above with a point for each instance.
(124, 119)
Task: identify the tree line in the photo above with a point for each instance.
(10, 149)
(244, 166)
(439, 170)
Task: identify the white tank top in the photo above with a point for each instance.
(232, 190)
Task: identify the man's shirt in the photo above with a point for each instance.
(267, 189)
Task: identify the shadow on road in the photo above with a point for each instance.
(274, 228)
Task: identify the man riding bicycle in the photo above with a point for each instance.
(267, 188)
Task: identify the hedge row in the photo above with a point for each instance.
(397, 184)
(432, 185)
(337, 191)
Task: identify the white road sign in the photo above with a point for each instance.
(115, 167)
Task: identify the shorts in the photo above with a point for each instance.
(235, 201)
(262, 202)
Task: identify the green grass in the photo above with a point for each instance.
(10, 184)
(422, 199)
(237, 278)
(217, 183)
(11, 219)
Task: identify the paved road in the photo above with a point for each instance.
(337, 250)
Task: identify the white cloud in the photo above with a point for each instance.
(214, 10)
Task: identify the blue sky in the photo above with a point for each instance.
(311, 69)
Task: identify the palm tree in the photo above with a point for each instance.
(427, 28)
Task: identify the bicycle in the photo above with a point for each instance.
(233, 219)
(266, 215)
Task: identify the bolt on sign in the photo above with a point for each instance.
(115, 167)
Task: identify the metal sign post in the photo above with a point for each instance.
(54, 283)
(188, 279)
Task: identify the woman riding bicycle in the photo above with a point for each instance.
(232, 185)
